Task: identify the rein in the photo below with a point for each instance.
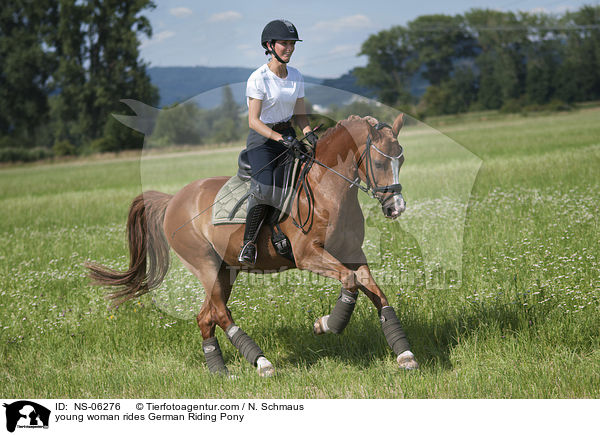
(309, 157)
(304, 186)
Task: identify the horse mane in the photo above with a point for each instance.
(341, 125)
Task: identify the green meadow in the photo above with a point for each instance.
(511, 202)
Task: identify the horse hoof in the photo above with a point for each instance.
(320, 326)
(406, 361)
(264, 367)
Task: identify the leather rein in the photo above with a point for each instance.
(371, 188)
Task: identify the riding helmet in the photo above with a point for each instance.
(279, 30)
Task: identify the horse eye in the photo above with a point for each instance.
(379, 165)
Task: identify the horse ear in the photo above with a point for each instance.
(398, 123)
(373, 132)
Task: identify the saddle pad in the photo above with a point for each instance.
(227, 197)
(233, 191)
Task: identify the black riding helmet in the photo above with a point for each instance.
(278, 30)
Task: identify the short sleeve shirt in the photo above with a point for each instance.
(278, 95)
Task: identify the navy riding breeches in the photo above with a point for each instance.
(264, 155)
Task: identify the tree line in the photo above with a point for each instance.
(64, 67)
(66, 64)
(486, 59)
(187, 123)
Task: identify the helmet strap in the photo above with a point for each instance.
(274, 53)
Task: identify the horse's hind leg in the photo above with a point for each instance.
(218, 280)
(213, 283)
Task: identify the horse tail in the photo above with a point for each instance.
(148, 251)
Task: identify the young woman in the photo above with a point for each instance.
(275, 93)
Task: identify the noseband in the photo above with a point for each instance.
(372, 187)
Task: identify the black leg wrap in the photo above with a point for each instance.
(214, 357)
(341, 313)
(242, 341)
(392, 330)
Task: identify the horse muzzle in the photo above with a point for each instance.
(394, 206)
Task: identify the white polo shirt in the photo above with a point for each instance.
(278, 95)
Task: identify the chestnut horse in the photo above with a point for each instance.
(356, 149)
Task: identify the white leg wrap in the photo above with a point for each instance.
(264, 367)
(406, 360)
(324, 324)
(320, 327)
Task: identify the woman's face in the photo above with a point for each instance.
(284, 49)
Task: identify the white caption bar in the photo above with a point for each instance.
(72, 416)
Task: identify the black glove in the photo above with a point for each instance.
(312, 138)
(292, 143)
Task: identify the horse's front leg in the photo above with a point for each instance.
(358, 277)
(392, 329)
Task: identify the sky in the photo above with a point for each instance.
(227, 33)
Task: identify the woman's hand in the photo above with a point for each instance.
(292, 143)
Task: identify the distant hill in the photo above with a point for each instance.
(178, 84)
(203, 84)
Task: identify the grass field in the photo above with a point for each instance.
(524, 324)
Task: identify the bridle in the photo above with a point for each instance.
(372, 187)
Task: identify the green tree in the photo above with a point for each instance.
(540, 79)
(543, 56)
(439, 41)
(390, 67)
(98, 47)
(67, 108)
(502, 41)
(225, 122)
(579, 76)
(454, 95)
(180, 124)
(26, 68)
(229, 108)
(224, 130)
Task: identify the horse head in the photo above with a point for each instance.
(379, 165)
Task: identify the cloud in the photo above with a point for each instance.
(538, 10)
(555, 9)
(225, 16)
(351, 22)
(181, 12)
(345, 49)
(157, 38)
(253, 52)
(161, 36)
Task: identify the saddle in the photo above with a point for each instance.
(231, 202)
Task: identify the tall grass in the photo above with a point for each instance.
(523, 324)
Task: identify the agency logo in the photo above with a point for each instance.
(26, 415)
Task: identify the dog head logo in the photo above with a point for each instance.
(26, 414)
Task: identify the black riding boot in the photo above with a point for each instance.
(254, 220)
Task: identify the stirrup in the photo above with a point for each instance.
(248, 254)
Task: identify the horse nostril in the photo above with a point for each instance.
(391, 212)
